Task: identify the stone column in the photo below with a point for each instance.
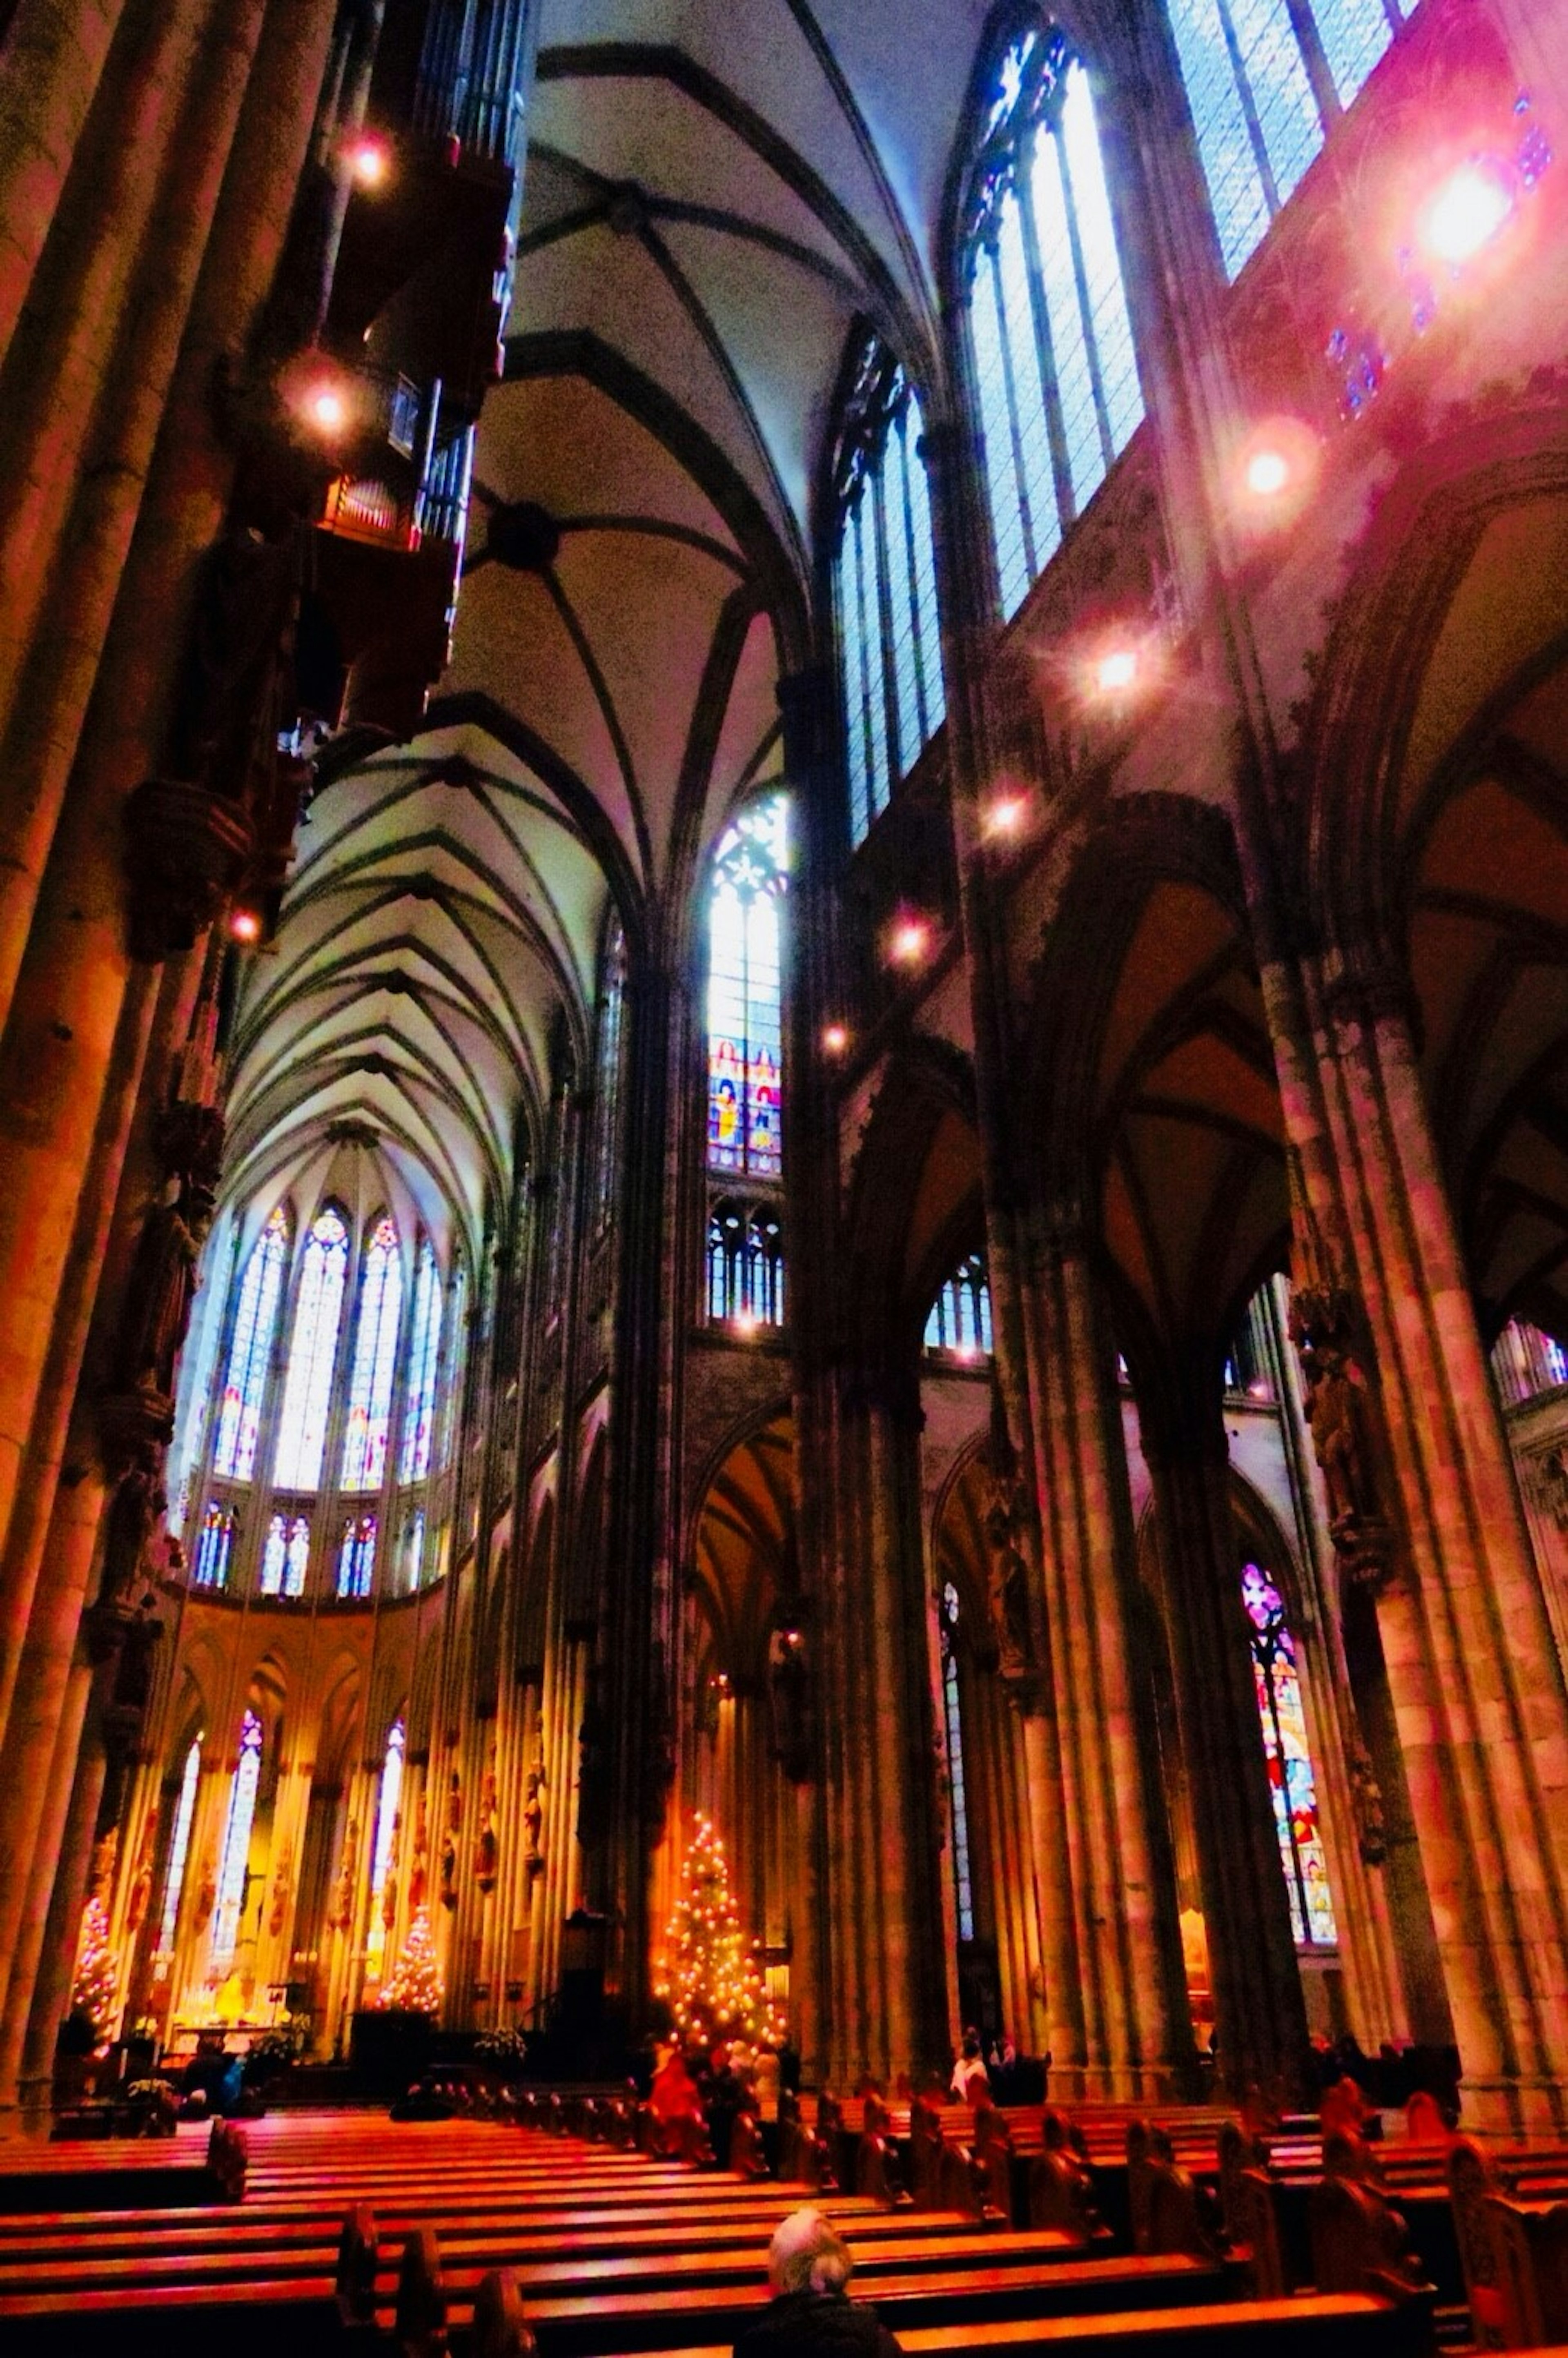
(1137, 2038)
(1473, 1676)
(54, 56)
(1260, 2015)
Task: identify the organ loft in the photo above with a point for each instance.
(784, 1039)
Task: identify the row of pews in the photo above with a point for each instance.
(577, 2224)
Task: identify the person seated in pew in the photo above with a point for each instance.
(971, 2080)
(810, 2314)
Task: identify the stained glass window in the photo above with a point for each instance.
(285, 1555)
(1259, 75)
(375, 1361)
(412, 1551)
(454, 1376)
(312, 1353)
(607, 1116)
(963, 1888)
(234, 1877)
(1527, 1362)
(745, 1264)
(960, 1318)
(250, 1350)
(214, 1546)
(424, 1356)
(745, 1038)
(885, 585)
(178, 1848)
(1055, 367)
(356, 1555)
(388, 1803)
(1291, 1778)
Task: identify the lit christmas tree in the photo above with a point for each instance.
(712, 1987)
(97, 1971)
(415, 1984)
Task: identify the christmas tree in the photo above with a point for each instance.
(712, 1987)
(97, 1971)
(415, 1984)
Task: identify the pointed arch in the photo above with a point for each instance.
(312, 1353)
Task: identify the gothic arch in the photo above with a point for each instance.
(916, 1183)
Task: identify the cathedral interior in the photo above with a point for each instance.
(783, 1025)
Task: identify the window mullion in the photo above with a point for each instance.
(1304, 27)
(897, 763)
(1040, 321)
(906, 460)
(1248, 107)
(867, 736)
(1009, 391)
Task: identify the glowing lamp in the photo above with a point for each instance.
(1268, 473)
(909, 942)
(745, 1323)
(368, 162)
(1466, 213)
(1005, 817)
(1116, 671)
(327, 409)
(245, 925)
(835, 1038)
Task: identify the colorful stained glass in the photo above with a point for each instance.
(960, 1318)
(745, 1042)
(178, 1848)
(312, 1355)
(963, 1883)
(285, 1556)
(424, 1357)
(234, 1876)
(214, 1547)
(388, 1803)
(606, 1119)
(1291, 1780)
(356, 1556)
(375, 1361)
(250, 1351)
(745, 1264)
(456, 1329)
(1055, 366)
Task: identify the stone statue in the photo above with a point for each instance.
(788, 1681)
(534, 1816)
(1366, 1801)
(487, 1843)
(142, 1882)
(161, 1293)
(341, 1915)
(277, 1911)
(1337, 1412)
(419, 1873)
(206, 1899)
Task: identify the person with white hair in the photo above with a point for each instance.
(810, 2314)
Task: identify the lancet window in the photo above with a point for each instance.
(745, 1011)
(233, 1869)
(607, 1110)
(285, 1556)
(1292, 1781)
(250, 1350)
(356, 1555)
(375, 1359)
(424, 1358)
(389, 1803)
(960, 1319)
(312, 1355)
(885, 585)
(1054, 365)
(214, 1546)
(963, 1881)
(745, 1264)
(1264, 78)
(178, 1848)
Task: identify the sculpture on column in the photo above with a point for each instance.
(789, 1690)
(277, 1910)
(1546, 1480)
(341, 1915)
(419, 1873)
(1366, 1802)
(534, 1819)
(1338, 1410)
(450, 1846)
(487, 1843)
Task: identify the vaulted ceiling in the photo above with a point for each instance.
(715, 195)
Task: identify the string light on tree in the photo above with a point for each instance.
(97, 1971)
(415, 1986)
(713, 1987)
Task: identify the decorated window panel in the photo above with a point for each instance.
(214, 1546)
(356, 1555)
(1293, 1783)
(178, 1849)
(745, 1023)
(960, 1319)
(369, 1422)
(963, 1881)
(234, 1858)
(285, 1555)
(312, 1355)
(424, 1358)
(250, 1351)
(384, 1845)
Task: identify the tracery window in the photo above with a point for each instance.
(312, 1355)
(233, 1871)
(745, 1017)
(215, 1546)
(963, 1885)
(375, 1361)
(387, 1820)
(1055, 367)
(960, 1318)
(1291, 1778)
(885, 585)
(454, 1366)
(745, 1264)
(250, 1350)
(1263, 79)
(178, 1848)
(411, 1553)
(285, 1556)
(1527, 1362)
(424, 1358)
(356, 1555)
(606, 1115)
